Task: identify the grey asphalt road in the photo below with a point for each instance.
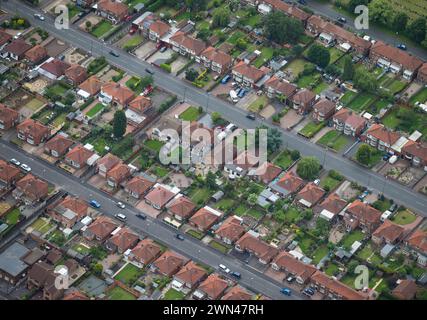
(328, 10)
(153, 228)
(401, 194)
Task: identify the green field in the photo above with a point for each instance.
(334, 140)
(191, 114)
(297, 66)
(129, 274)
(258, 104)
(283, 160)
(154, 145)
(200, 195)
(173, 294)
(101, 28)
(420, 96)
(361, 102)
(118, 293)
(348, 97)
(94, 110)
(350, 238)
(12, 217)
(34, 104)
(266, 55)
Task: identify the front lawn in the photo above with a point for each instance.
(173, 294)
(191, 114)
(129, 274)
(311, 129)
(334, 140)
(101, 28)
(133, 42)
(284, 160)
(195, 234)
(258, 104)
(404, 217)
(328, 183)
(219, 246)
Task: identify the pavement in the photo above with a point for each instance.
(153, 228)
(401, 194)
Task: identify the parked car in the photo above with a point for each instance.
(342, 19)
(236, 274)
(251, 116)
(308, 292)
(402, 46)
(179, 236)
(121, 205)
(120, 216)
(303, 2)
(224, 268)
(16, 36)
(286, 291)
(15, 162)
(141, 216)
(25, 167)
(149, 71)
(95, 204)
(290, 279)
(163, 49)
(225, 79)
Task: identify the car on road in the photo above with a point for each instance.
(95, 204)
(163, 49)
(15, 162)
(179, 236)
(225, 79)
(149, 71)
(120, 216)
(16, 36)
(141, 216)
(121, 205)
(342, 19)
(39, 16)
(114, 53)
(251, 116)
(286, 291)
(402, 46)
(223, 268)
(236, 274)
(25, 167)
(303, 2)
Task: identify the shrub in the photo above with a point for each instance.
(166, 67)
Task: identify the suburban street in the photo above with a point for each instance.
(155, 229)
(393, 190)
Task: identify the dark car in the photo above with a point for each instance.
(251, 116)
(114, 54)
(179, 236)
(303, 2)
(149, 71)
(235, 274)
(402, 46)
(141, 216)
(342, 19)
(308, 291)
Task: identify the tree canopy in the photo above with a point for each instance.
(319, 55)
(119, 124)
(309, 168)
(282, 29)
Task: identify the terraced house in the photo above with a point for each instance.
(216, 60)
(248, 75)
(186, 45)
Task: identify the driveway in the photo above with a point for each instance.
(145, 49)
(290, 119)
(160, 57)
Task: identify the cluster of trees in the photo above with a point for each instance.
(383, 12)
(191, 74)
(119, 124)
(16, 23)
(281, 29)
(220, 18)
(364, 154)
(309, 168)
(319, 55)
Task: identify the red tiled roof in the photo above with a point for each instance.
(92, 85)
(119, 172)
(237, 293)
(79, 154)
(324, 106)
(33, 128)
(119, 93)
(188, 42)
(76, 205)
(115, 7)
(140, 104)
(4, 37)
(389, 231)
(159, 196)
(76, 73)
(214, 286)
(146, 251)
(231, 229)
(364, 211)
(102, 227)
(56, 67)
(261, 249)
(311, 193)
(217, 56)
(181, 206)
(290, 182)
(406, 290)
(333, 203)
(33, 187)
(108, 161)
(416, 149)
(337, 287)
(59, 143)
(381, 133)
(248, 71)
(139, 185)
(303, 96)
(204, 218)
(36, 53)
(124, 239)
(159, 27)
(169, 263)
(396, 55)
(419, 240)
(286, 261)
(17, 47)
(284, 87)
(8, 114)
(8, 172)
(191, 274)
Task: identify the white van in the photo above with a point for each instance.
(121, 216)
(392, 159)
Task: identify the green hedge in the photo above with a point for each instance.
(166, 67)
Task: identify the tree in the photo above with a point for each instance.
(220, 18)
(88, 24)
(352, 4)
(417, 30)
(274, 138)
(333, 70)
(191, 74)
(308, 168)
(365, 81)
(252, 199)
(211, 180)
(97, 268)
(196, 5)
(380, 11)
(364, 154)
(295, 155)
(400, 21)
(319, 55)
(348, 69)
(203, 34)
(234, 5)
(119, 124)
(241, 44)
(282, 29)
(297, 50)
